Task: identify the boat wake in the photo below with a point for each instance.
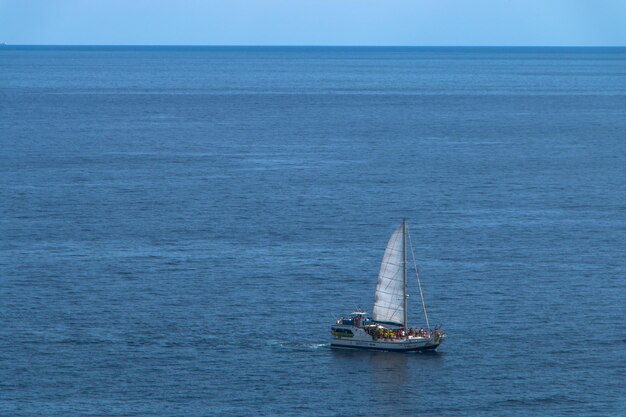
(297, 347)
(319, 346)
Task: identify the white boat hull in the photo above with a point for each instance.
(400, 346)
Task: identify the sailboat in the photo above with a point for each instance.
(388, 327)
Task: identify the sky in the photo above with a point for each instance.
(314, 22)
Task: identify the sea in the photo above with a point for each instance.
(181, 226)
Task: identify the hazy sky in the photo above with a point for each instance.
(314, 22)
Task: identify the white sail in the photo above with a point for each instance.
(389, 298)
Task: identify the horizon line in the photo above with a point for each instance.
(4, 44)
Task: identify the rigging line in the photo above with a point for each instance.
(419, 284)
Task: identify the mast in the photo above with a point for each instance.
(406, 296)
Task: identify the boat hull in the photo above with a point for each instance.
(399, 346)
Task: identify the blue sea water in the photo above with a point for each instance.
(180, 226)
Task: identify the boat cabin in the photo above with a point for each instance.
(356, 319)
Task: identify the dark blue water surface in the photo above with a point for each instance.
(180, 226)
